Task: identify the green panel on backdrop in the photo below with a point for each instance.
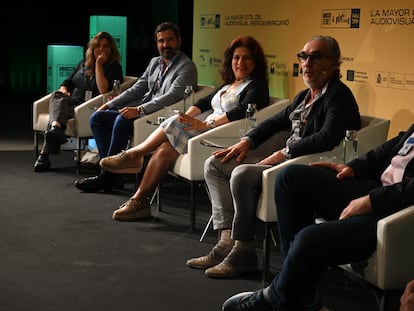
(61, 61)
(116, 26)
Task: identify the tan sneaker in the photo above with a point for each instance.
(133, 210)
(121, 163)
(237, 262)
(216, 255)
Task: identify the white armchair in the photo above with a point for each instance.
(391, 267)
(78, 126)
(190, 166)
(374, 131)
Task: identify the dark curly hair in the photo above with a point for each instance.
(259, 58)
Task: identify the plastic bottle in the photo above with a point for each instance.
(115, 88)
(350, 146)
(250, 120)
(188, 99)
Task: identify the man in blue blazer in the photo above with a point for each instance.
(162, 84)
(351, 198)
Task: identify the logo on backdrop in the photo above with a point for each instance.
(210, 21)
(340, 18)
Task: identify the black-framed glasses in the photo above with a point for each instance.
(314, 57)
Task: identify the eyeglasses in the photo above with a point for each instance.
(315, 57)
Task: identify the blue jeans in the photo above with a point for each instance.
(111, 131)
(303, 192)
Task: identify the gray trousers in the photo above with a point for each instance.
(235, 188)
(61, 108)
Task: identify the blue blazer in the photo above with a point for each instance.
(389, 199)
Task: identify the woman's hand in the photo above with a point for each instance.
(64, 90)
(101, 59)
(342, 170)
(238, 150)
(192, 123)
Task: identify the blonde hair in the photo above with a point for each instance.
(93, 43)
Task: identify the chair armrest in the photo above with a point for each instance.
(266, 210)
(395, 249)
(82, 114)
(40, 106)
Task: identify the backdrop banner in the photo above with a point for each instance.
(375, 40)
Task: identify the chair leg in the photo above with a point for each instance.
(193, 185)
(156, 197)
(211, 217)
(79, 154)
(266, 253)
(36, 144)
(206, 228)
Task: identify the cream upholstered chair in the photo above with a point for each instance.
(78, 126)
(374, 131)
(391, 267)
(190, 166)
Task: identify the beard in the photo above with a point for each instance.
(168, 53)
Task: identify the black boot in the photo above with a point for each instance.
(56, 134)
(104, 182)
(55, 137)
(42, 163)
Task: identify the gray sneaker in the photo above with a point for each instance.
(216, 255)
(237, 262)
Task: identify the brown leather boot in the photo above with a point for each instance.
(216, 255)
(240, 260)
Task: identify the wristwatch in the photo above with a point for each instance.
(212, 123)
(285, 152)
(141, 110)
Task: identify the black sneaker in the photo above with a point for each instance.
(248, 301)
(42, 163)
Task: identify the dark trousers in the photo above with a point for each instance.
(111, 131)
(303, 192)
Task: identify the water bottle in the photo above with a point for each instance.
(350, 146)
(188, 97)
(116, 88)
(250, 120)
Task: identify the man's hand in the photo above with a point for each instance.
(342, 170)
(129, 112)
(238, 151)
(407, 298)
(273, 159)
(359, 206)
